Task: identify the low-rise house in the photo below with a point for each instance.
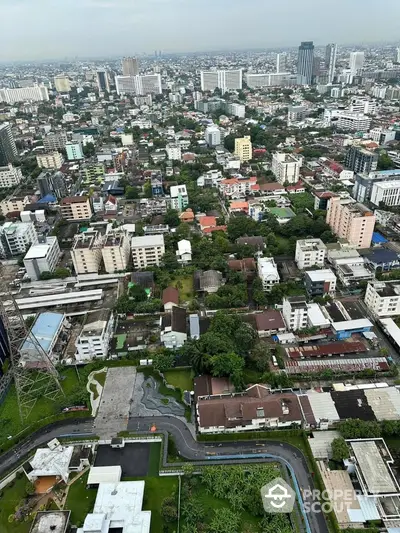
(209, 281)
(170, 298)
(320, 282)
(255, 408)
(174, 328)
(239, 206)
(187, 215)
(184, 252)
(207, 222)
(246, 266)
(111, 205)
(269, 323)
(256, 242)
(267, 272)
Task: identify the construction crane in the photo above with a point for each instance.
(35, 375)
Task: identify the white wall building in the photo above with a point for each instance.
(18, 236)
(179, 197)
(74, 151)
(147, 250)
(116, 251)
(286, 167)
(383, 299)
(10, 176)
(50, 160)
(310, 252)
(271, 79)
(387, 192)
(174, 152)
(184, 252)
(353, 122)
(118, 507)
(267, 272)
(42, 257)
(295, 312)
(86, 252)
(226, 80)
(212, 135)
(139, 85)
(95, 337)
(37, 93)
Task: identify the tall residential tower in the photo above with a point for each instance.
(305, 63)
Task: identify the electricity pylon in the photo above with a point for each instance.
(35, 376)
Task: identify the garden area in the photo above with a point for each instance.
(80, 500)
(181, 378)
(226, 499)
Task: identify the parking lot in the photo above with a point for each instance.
(133, 458)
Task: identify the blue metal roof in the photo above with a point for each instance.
(45, 328)
(377, 238)
(49, 198)
(382, 255)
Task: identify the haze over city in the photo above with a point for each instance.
(45, 29)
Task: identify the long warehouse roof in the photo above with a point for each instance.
(60, 299)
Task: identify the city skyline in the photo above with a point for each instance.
(121, 27)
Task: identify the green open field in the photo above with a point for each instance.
(180, 377)
(185, 287)
(8, 502)
(155, 490)
(80, 500)
(11, 423)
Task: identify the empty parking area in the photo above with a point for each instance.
(133, 458)
(112, 416)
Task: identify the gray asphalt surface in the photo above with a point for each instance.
(188, 448)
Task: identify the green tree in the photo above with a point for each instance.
(163, 360)
(89, 149)
(137, 293)
(340, 450)
(171, 218)
(61, 273)
(131, 193)
(260, 357)
(384, 162)
(30, 488)
(229, 364)
(225, 521)
(148, 193)
(169, 510)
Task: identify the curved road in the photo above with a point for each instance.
(188, 448)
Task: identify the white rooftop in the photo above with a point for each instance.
(177, 190)
(104, 474)
(184, 246)
(324, 274)
(37, 251)
(323, 406)
(321, 443)
(267, 268)
(352, 324)
(147, 241)
(374, 469)
(392, 329)
(118, 505)
(315, 315)
(51, 462)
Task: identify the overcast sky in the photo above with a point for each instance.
(45, 29)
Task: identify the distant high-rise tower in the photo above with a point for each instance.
(305, 63)
(397, 55)
(8, 149)
(280, 63)
(356, 62)
(130, 66)
(102, 81)
(330, 60)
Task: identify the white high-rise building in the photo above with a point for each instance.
(50, 160)
(309, 253)
(38, 93)
(10, 176)
(17, 238)
(226, 80)
(174, 152)
(62, 83)
(212, 135)
(330, 60)
(116, 251)
(356, 62)
(271, 79)
(86, 252)
(286, 167)
(130, 66)
(383, 299)
(140, 85)
(397, 55)
(295, 312)
(147, 250)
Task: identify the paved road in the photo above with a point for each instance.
(193, 450)
(188, 448)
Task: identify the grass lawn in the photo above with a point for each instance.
(180, 378)
(100, 377)
(80, 501)
(155, 490)
(93, 388)
(154, 459)
(9, 414)
(8, 502)
(185, 287)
